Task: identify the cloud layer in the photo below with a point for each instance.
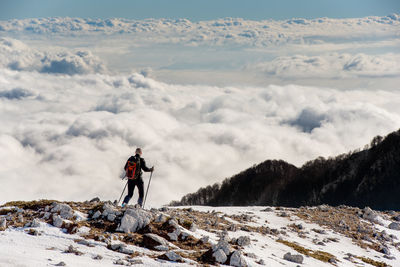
(16, 55)
(216, 32)
(332, 66)
(67, 137)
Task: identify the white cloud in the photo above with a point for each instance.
(70, 138)
(332, 66)
(227, 31)
(16, 55)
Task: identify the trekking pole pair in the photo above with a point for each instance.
(147, 190)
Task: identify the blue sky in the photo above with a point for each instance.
(196, 10)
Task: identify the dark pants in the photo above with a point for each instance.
(131, 186)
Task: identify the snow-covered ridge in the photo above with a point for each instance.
(215, 32)
(45, 232)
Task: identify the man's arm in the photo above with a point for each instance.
(144, 167)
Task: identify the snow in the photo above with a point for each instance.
(17, 248)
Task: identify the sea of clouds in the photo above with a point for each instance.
(70, 121)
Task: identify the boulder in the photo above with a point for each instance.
(161, 218)
(111, 217)
(96, 199)
(58, 221)
(223, 245)
(96, 215)
(171, 256)
(293, 258)
(65, 211)
(394, 226)
(134, 220)
(152, 240)
(237, 259)
(243, 241)
(3, 223)
(370, 215)
(109, 209)
(220, 256)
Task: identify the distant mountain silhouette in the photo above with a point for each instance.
(368, 177)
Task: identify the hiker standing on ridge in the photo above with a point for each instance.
(133, 168)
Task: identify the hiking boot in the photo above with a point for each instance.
(123, 204)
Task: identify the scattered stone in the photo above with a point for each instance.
(243, 241)
(261, 262)
(161, 218)
(98, 257)
(268, 209)
(220, 256)
(119, 262)
(46, 215)
(370, 215)
(293, 258)
(127, 251)
(135, 261)
(61, 263)
(65, 211)
(237, 259)
(152, 240)
(173, 223)
(204, 239)
(96, 199)
(111, 217)
(397, 218)
(394, 226)
(161, 248)
(134, 220)
(33, 232)
(171, 256)
(3, 223)
(172, 236)
(35, 223)
(96, 215)
(20, 218)
(73, 250)
(389, 257)
(193, 227)
(57, 221)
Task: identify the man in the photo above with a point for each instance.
(136, 179)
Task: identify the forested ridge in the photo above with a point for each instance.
(367, 177)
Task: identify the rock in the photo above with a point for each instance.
(117, 246)
(397, 218)
(134, 220)
(20, 218)
(152, 240)
(73, 250)
(164, 209)
(237, 259)
(61, 263)
(98, 257)
(261, 262)
(220, 256)
(224, 245)
(135, 261)
(173, 223)
(204, 239)
(185, 235)
(119, 262)
(384, 250)
(46, 215)
(96, 199)
(35, 223)
(161, 218)
(111, 217)
(58, 221)
(96, 215)
(171, 256)
(268, 209)
(126, 250)
(65, 211)
(293, 258)
(243, 241)
(394, 226)
(33, 232)
(108, 209)
(369, 214)
(161, 248)
(173, 236)
(193, 227)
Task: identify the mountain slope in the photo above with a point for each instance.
(370, 177)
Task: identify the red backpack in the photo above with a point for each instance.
(133, 169)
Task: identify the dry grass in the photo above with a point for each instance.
(316, 254)
(373, 262)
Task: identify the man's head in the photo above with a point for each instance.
(138, 151)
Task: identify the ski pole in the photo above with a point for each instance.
(147, 190)
(122, 192)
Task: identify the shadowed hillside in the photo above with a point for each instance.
(369, 177)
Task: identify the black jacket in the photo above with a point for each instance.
(142, 165)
